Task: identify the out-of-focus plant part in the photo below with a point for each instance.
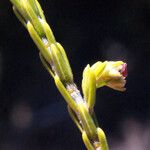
(54, 59)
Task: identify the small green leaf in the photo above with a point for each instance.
(38, 41)
(48, 32)
(65, 94)
(34, 6)
(74, 118)
(33, 18)
(40, 10)
(16, 3)
(89, 86)
(92, 90)
(86, 120)
(19, 8)
(60, 65)
(19, 16)
(64, 55)
(84, 82)
(87, 142)
(102, 139)
(46, 65)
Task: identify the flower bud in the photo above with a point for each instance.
(61, 64)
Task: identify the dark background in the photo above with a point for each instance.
(33, 114)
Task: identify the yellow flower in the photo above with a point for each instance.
(111, 74)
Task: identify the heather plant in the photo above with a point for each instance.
(54, 59)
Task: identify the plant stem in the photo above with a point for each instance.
(84, 116)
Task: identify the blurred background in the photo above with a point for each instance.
(33, 115)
